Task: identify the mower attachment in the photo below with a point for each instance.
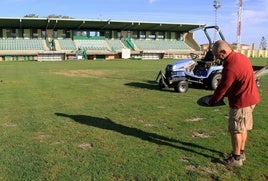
(160, 79)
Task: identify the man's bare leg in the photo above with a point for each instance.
(237, 141)
(244, 140)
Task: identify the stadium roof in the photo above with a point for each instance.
(59, 23)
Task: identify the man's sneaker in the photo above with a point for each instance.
(243, 157)
(227, 155)
(232, 162)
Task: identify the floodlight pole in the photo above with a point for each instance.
(239, 25)
(216, 5)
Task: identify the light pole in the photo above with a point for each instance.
(216, 5)
(239, 25)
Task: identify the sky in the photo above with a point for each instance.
(254, 13)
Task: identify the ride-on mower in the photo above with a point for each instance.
(206, 71)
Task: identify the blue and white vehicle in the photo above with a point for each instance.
(206, 71)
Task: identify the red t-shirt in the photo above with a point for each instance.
(238, 82)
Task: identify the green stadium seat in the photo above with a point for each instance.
(66, 44)
(21, 44)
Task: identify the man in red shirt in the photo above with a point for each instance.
(239, 85)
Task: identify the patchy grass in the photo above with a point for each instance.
(107, 120)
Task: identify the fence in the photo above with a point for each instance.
(254, 53)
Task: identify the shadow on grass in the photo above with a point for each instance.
(255, 68)
(151, 85)
(108, 124)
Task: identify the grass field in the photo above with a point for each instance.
(107, 120)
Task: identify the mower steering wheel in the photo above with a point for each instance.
(194, 56)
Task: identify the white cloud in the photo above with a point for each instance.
(255, 17)
(254, 21)
(256, 13)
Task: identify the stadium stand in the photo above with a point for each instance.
(63, 39)
(41, 39)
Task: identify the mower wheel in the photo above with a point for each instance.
(181, 86)
(215, 80)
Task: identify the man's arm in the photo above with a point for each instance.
(221, 90)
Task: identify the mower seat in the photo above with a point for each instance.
(208, 60)
(209, 56)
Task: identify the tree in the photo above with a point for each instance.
(31, 15)
(263, 45)
(59, 16)
(54, 16)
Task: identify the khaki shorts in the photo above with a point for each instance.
(241, 120)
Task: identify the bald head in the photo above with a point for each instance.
(221, 49)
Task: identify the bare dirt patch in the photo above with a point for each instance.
(146, 123)
(58, 142)
(84, 73)
(197, 134)
(85, 146)
(42, 137)
(184, 158)
(191, 167)
(209, 170)
(9, 125)
(194, 119)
